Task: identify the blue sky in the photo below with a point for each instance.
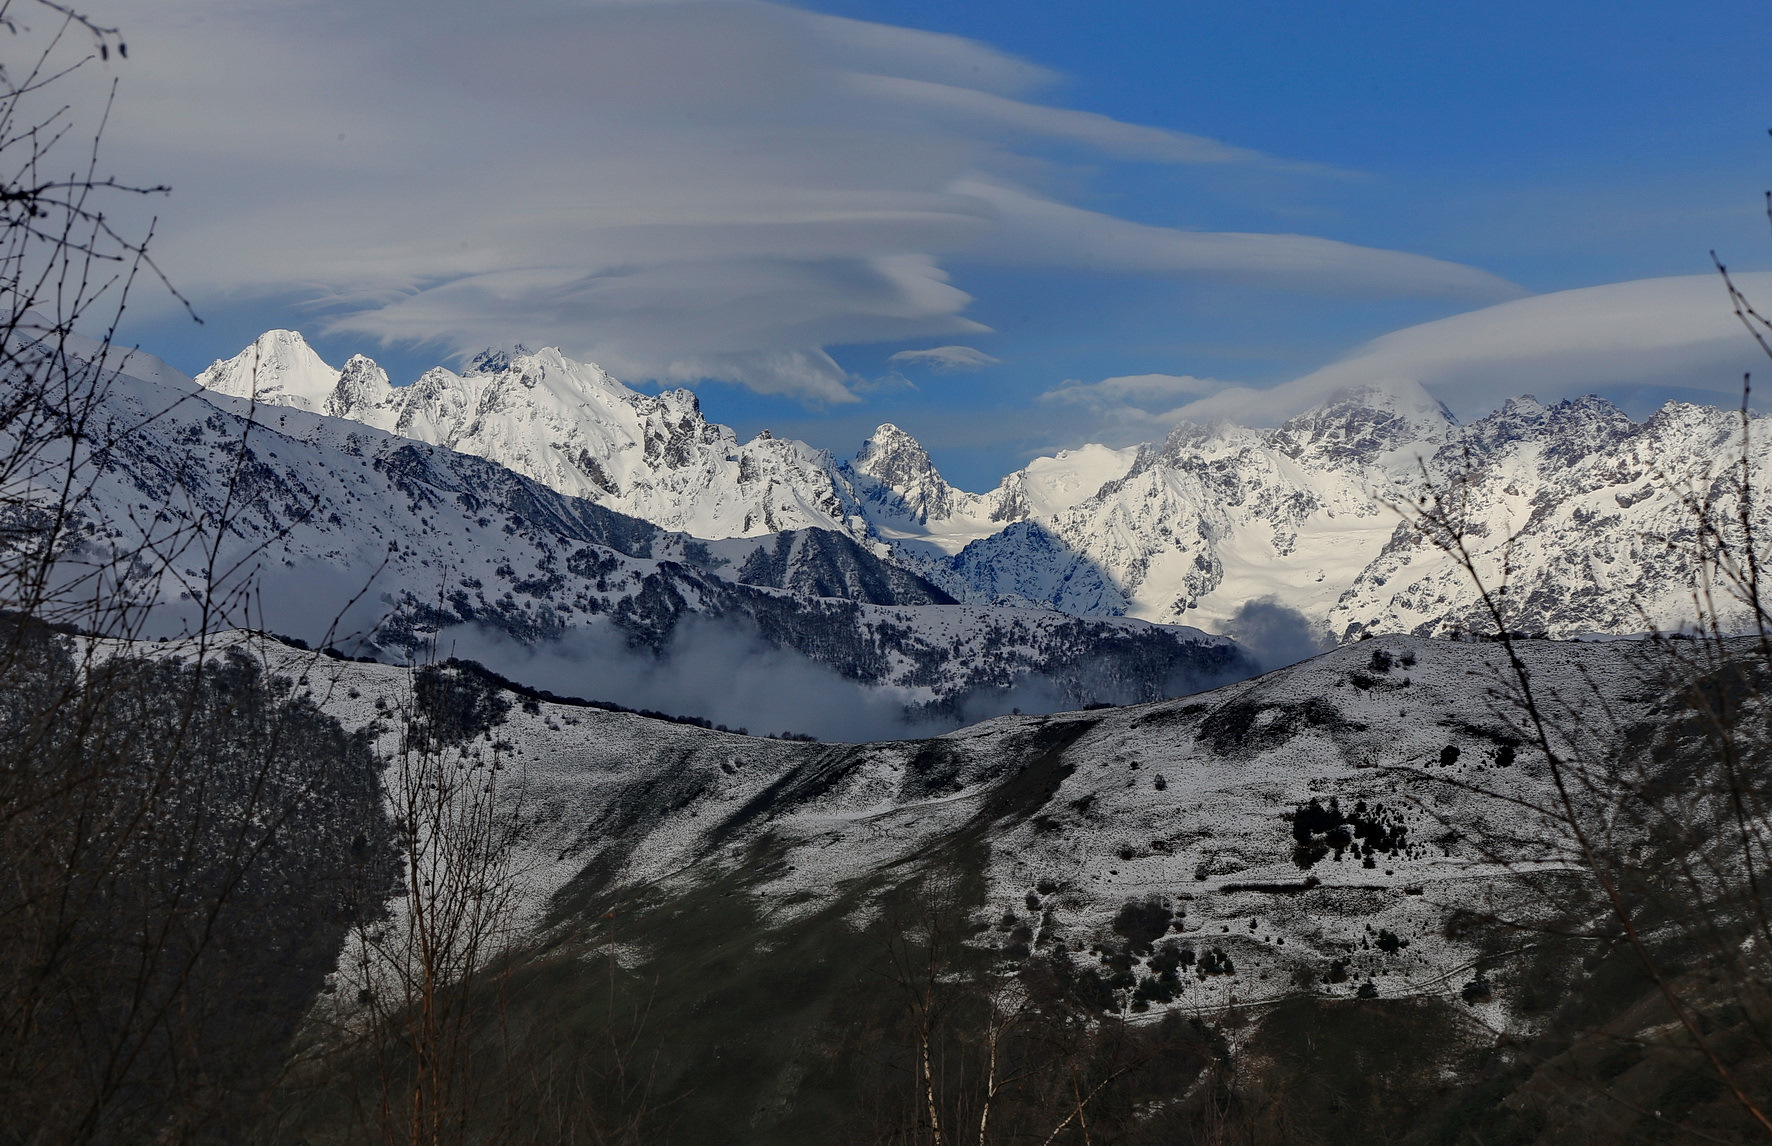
(1553, 146)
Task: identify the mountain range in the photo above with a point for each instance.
(207, 509)
(1098, 798)
(1572, 506)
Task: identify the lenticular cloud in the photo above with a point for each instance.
(1678, 331)
(679, 190)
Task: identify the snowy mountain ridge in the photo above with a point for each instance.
(1187, 530)
(568, 425)
(342, 534)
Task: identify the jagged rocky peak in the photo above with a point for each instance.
(279, 368)
(494, 360)
(1191, 439)
(574, 428)
(900, 463)
(1708, 432)
(362, 386)
(565, 380)
(1363, 423)
(1570, 428)
(894, 457)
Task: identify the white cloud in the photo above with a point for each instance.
(1669, 332)
(677, 189)
(1034, 231)
(945, 358)
(1101, 132)
(1129, 408)
(1133, 389)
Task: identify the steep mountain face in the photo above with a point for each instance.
(1214, 517)
(1024, 564)
(900, 483)
(335, 532)
(1588, 519)
(822, 563)
(1188, 530)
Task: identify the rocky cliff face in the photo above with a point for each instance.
(899, 482)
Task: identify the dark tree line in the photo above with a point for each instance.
(185, 848)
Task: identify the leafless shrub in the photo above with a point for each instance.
(420, 977)
(1657, 816)
(184, 837)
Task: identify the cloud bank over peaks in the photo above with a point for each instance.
(1667, 334)
(697, 189)
(1035, 231)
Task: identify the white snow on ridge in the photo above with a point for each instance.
(570, 426)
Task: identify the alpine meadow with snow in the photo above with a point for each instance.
(741, 572)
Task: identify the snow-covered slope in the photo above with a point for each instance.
(1189, 803)
(1188, 530)
(1214, 517)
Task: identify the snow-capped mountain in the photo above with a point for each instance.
(573, 428)
(1213, 517)
(278, 369)
(323, 528)
(1589, 519)
(1583, 518)
(1187, 530)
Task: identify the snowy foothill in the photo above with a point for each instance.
(1193, 805)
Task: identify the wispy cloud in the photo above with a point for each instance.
(679, 190)
(945, 359)
(1129, 408)
(1146, 390)
(1036, 231)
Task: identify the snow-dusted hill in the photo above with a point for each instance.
(336, 532)
(1187, 530)
(1190, 803)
